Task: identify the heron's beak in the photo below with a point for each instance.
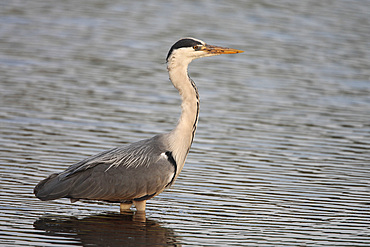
(219, 50)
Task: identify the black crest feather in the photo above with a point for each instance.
(187, 42)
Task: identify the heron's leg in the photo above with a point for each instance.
(140, 205)
(125, 206)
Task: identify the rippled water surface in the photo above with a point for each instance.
(281, 155)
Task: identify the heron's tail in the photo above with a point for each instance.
(51, 188)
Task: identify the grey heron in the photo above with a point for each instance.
(135, 173)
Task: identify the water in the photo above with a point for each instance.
(281, 155)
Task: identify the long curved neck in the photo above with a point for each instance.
(182, 136)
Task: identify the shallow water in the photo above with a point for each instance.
(281, 154)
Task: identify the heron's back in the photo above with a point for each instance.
(140, 170)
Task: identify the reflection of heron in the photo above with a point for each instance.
(142, 170)
(108, 230)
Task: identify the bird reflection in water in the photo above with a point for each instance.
(108, 230)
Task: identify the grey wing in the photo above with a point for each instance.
(138, 171)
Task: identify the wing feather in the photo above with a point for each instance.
(119, 174)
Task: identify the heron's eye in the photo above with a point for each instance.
(196, 47)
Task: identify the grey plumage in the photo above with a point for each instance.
(94, 177)
(137, 172)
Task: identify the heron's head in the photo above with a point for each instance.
(188, 49)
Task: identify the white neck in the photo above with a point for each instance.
(182, 136)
